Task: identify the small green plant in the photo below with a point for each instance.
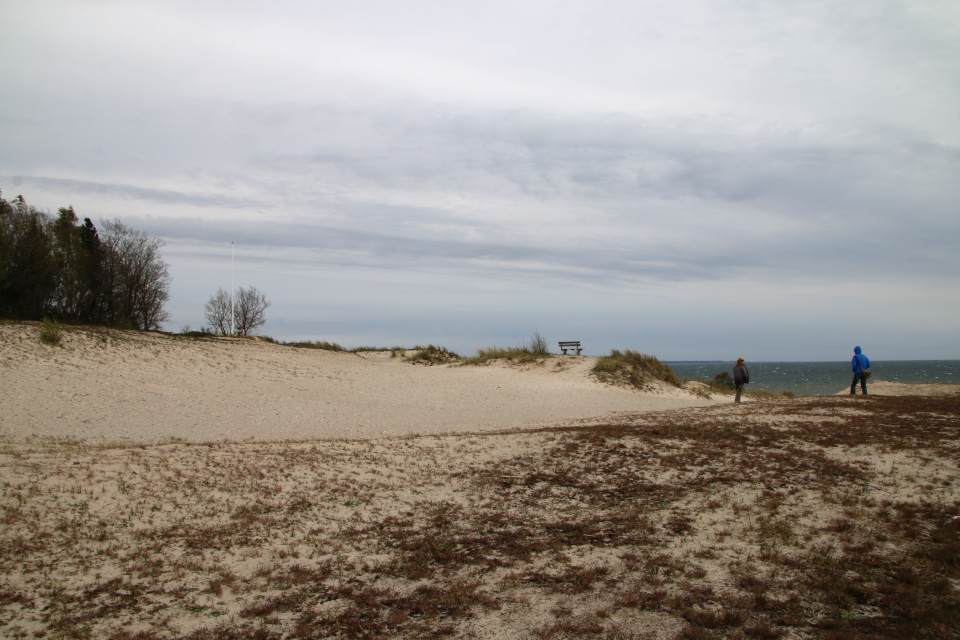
(50, 331)
(124, 324)
(634, 369)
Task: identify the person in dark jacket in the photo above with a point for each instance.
(860, 365)
(741, 376)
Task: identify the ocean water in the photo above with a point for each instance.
(823, 378)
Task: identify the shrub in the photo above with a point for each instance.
(634, 369)
(50, 331)
(537, 343)
(723, 380)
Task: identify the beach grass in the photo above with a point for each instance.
(323, 345)
(516, 355)
(633, 369)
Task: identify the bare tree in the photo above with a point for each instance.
(249, 310)
(251, 307)
(139, 278)
(217, 311)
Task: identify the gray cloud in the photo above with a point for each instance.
(617, 147)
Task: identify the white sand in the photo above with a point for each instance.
(147, 387)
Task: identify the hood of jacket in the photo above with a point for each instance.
(856, 350)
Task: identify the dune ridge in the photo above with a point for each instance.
(102, 384)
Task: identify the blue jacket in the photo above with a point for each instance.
(860, 361)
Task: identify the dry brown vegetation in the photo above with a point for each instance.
(516, 355)
(829, 518)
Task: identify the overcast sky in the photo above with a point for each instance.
(693, 180)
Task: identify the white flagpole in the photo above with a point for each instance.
(232, 289)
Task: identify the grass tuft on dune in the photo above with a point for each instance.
(633, 369)
(518, 355)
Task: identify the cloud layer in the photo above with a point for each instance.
(508, 166)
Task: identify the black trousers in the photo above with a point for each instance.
(863, 383)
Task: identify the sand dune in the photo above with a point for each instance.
(147, 387)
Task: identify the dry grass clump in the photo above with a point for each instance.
(630, 368)
(517, 355)
(812, 518)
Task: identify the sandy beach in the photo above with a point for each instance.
(157, 487)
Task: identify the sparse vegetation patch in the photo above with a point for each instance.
(811, 518)
(323, 345)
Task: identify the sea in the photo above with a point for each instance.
(823, 378)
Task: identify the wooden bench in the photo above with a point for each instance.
(570, 345)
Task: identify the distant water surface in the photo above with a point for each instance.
(823, 378)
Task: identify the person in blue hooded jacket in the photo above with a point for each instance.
(860, 364)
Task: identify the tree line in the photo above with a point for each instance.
(53, 266)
